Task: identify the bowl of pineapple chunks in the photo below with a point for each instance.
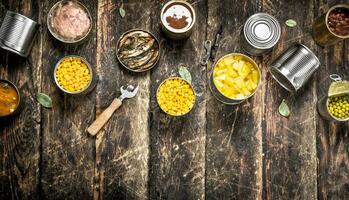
(235, 78)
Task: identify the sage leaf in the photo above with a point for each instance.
(291, 23)
(284, 110)
(122, 12)
(44, 100)
(184, 73)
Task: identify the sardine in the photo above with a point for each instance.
(136, 63)
(138, 50)
(152, 60)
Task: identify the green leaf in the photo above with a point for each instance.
(291, 23)
(284, 110)
(185, 74)
(122, 12)
(44, 100)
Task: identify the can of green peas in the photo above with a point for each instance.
(334, 108)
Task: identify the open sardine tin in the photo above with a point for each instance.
(138, 57)
(17, 33)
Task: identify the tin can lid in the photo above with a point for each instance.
(262, 31)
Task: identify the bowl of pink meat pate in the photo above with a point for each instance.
(69, 21)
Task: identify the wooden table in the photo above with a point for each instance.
(216, 152)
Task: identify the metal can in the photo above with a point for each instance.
(220, 96)
(322, 34)
(19, 102)
(293, 68)
(323, 110)
(93, 78)
(260, 34)
(54, 33)
(128, 67)
(175, 78)
(17, 33)
(180, 33)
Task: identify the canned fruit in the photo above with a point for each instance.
(8, 98)
(236, 77)
(339, 107)
(338, 21)
(73, 75)
(175, 96)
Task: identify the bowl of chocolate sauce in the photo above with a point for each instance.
(177, 19)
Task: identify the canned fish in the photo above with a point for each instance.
(234, 78)
(260, 34)
(17, 33)
(69, 21)
(333, 26)
(177, 19)
(294, 67)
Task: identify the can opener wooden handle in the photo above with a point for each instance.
(103, 118)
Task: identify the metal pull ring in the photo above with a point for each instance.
(336, 77)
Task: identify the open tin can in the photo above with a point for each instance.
(92, 81)
(225, 99)
(324, 110)
(260, 34)
(7, 91)
(325, 35)
(177, 19)
(159, 100)
(51, 18)
(17, 33)
(335, 105)
(294, 67)
(138, 50)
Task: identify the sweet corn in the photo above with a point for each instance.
(73, 74)
(176, 97)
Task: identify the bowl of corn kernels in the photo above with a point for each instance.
(175, 96)
(73, 75)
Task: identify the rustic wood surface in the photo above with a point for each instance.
(216, 152)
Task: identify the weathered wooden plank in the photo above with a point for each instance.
(122, 148)
(20, 136)
(177, 145)
(234, 133)
(289, 165)
(332, 138)
(67, 150)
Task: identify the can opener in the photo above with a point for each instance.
(206, 57)
(339, 87)
(103, 118)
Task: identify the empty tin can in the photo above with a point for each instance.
(260, 34)
(322, 33)
(17, 33)
(177, 19)
(293, 68)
